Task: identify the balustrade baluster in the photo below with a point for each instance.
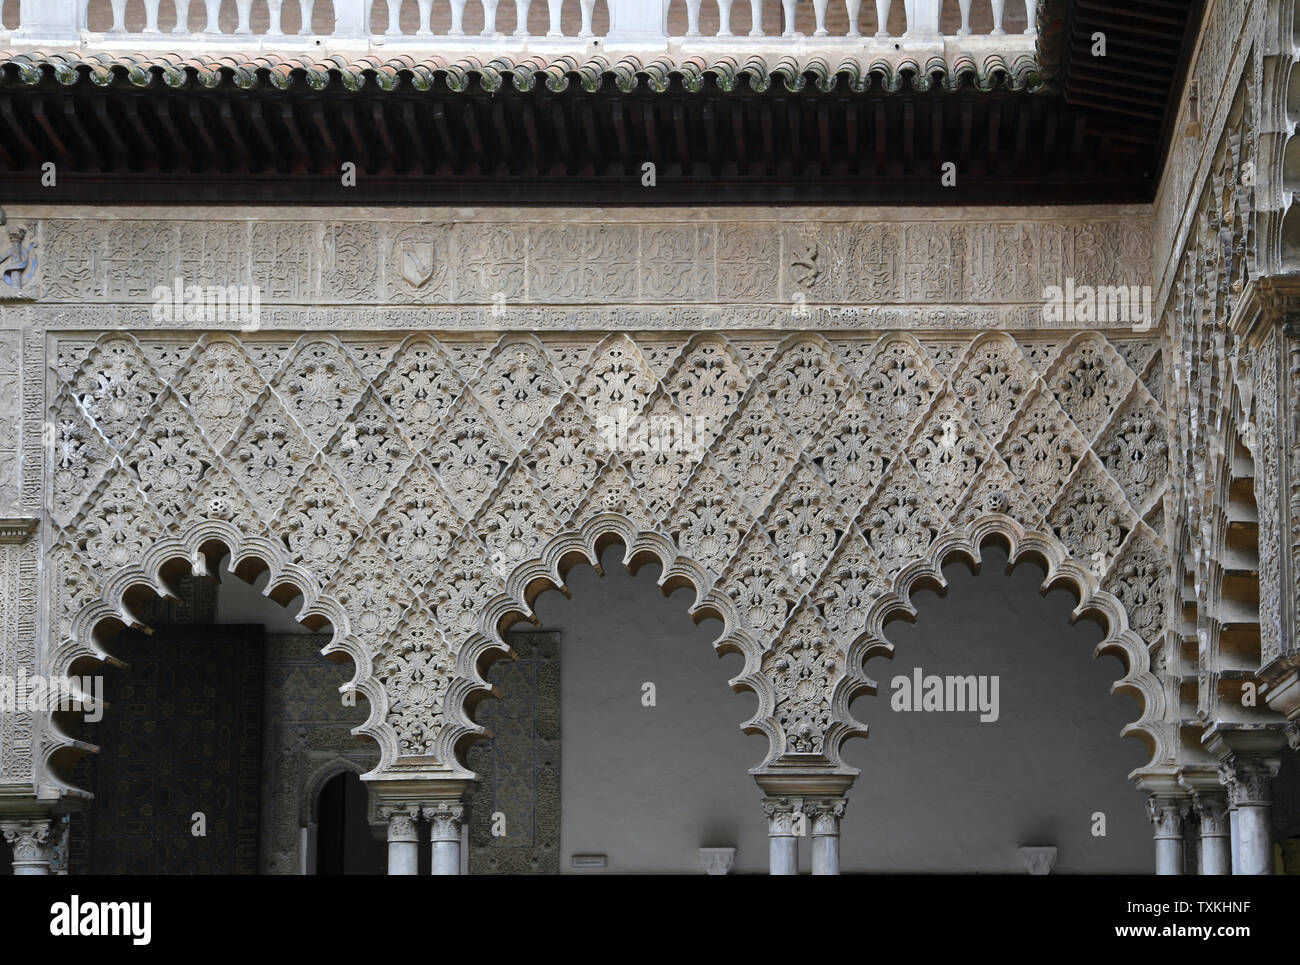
(631, 21)
(692, 18)
(923, 19)
(151, 16)
(724, 18)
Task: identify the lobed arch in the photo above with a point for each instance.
(1061, 571)
(585, 544)
(823, 479)
(209, 540)
(197, 550)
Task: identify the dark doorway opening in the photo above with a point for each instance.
(345, 844)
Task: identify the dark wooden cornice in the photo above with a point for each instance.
(127, 129)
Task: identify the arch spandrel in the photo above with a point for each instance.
(418, 504)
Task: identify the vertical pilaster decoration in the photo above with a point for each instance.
(403, 838)
(1167, 813)
(10, 420)
(445, 819)
(1288, 495)
(1247, 780)
(825, 816)
(18, 570)
(1211, 808)
(18, 576)
(784, 819)
(519, 766)
(35, 842)
(1270, 431)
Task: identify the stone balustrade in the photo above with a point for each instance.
(429, 27)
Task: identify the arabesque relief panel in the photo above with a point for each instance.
(415, 488)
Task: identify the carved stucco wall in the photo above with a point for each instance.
(19, 551)
(416, 490)
(519, 768)
(939, 791)
(1226, 236)
(307, 739)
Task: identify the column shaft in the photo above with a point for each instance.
(1248, 780)
(403, 843)
(783, 855)
(444, 834)
(1254, 840)
(1216, 837)
(1166, 813)
(784, 820)
(825, 815)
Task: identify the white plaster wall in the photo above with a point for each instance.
(943, 792)
(939, 792)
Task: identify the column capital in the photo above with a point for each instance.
(780, 812)
(34, 842)
(824, 814)
(401, 820)
(444, 819)
(1211, 806)
(717, 861)
(1247, 779)
(1166, 812)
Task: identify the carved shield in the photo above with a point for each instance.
(417, 262)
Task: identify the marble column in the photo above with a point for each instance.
(444, 819)
(34, 842)
(1167, 812)
(825, 816)
(1247, 780)
(785, 820)
(403, 840)
(1216, 834)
